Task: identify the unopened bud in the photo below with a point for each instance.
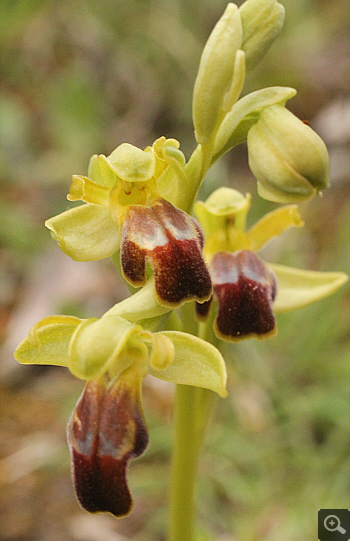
(289, 160)
(215, 72)
(262, 21)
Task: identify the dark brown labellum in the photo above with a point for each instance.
(172, 241)
(245, 289)
(105, 431)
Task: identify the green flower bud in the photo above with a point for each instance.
(262, 21)
(289, 160)
(215, 72)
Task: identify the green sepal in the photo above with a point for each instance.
(223, 204)
(131, 163)
(48, 341)
(96, 347)
(196, 362)
(140, 306)
(244, 114)
(298, 288)
(85, 233)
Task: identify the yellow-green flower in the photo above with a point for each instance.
(129, 206)
(247, 289)
(113, 355)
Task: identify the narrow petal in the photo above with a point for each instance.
(85, 189)
(106, 430)
(172, 242)
(298, 288)
(48, 341)
(245, 289)
(85, 233)
(162, 353)
(196, 362)
(273, 224)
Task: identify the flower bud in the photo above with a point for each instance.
(289, 160)
(262, 21)
(215, 72)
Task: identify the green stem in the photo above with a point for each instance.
(192, 409)
(196, 169)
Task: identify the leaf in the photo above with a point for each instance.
(196, 363)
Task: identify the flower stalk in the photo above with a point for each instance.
(192, 409)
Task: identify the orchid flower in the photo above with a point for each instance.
(107, 428)
(246, 289)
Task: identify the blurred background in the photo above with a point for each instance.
(80, 77)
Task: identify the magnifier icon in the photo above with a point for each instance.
(332, 524)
